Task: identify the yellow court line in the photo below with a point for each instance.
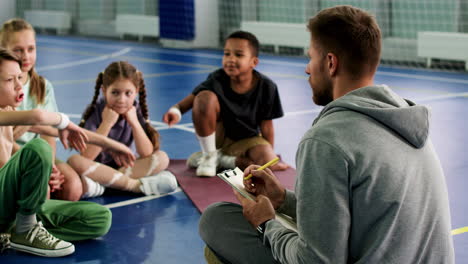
(460, 230)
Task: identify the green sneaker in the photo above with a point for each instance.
(39, 241)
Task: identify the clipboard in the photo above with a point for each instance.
(235, 178)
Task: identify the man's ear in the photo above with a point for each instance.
(103, 90)
(332, 64)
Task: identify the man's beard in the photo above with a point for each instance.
(323, 95)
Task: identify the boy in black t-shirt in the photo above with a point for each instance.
(232, 111)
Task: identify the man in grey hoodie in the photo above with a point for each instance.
(369, 186)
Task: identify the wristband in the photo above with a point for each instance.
(261, 228)
(64, 121)
(176, 111)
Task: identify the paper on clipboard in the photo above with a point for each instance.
(235, 178)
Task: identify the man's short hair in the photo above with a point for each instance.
(253, 41)
(350, 33)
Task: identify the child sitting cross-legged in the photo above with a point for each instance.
(118, 115)
(27, 220)
(232, 111)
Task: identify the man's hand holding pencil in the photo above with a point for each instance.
(263, 182)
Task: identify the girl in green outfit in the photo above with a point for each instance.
(24, 175)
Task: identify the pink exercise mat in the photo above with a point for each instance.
(204, 191)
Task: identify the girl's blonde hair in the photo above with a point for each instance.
(37, 85)
(122, 70)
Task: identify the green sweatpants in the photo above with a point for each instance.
(23, 188)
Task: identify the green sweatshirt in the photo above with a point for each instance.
(369, 187)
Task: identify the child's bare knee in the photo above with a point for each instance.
(205, 101)
(76, 162)
(160, 161)
(163, 159)
(73, 160)
(261, 154)
(206, 96)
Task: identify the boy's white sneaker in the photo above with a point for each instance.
(223, 161)
(39, 241)
(226, 161)
(208, 164)
(194, 159)
(160, 183)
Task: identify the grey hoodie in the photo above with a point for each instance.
(369, 187)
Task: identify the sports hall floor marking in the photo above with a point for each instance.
(442, 97)
(266, 61)
(85, 61)
(146, 76)
(139, 199)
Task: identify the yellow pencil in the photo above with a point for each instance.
(268, 164)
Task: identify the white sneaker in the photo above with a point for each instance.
(160, 183)
(194, 159)
(207, 165)
(224, 161)
(39, 241)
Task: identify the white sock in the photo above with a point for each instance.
(208, 143)
(94, 189)
(24, 223)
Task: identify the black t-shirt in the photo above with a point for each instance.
(242, 114)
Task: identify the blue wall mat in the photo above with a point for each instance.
(177, 19)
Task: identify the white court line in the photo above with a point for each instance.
(189, 126)
(171, 62)
(441, 97)
(419, 101)
(139, 199)
(163, 126)
(145, 76)
(85, 61)
(423, 77)
(265, 61)
(303, 112)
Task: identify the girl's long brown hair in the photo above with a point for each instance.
(117, 71)
(37, 85)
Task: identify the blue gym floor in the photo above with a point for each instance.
(165, 229)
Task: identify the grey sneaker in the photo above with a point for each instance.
(160, 183)
(39, 241)
(208, 164)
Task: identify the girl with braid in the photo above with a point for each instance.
(18, 36)
(119, 116)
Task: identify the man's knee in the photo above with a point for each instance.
(214, 216)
